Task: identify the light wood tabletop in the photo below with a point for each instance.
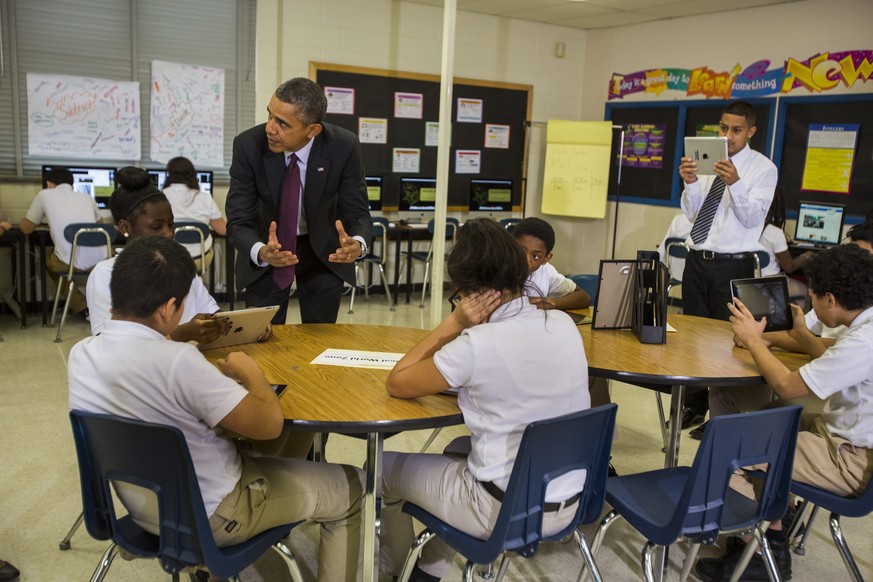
(700, 353)
(342, 399)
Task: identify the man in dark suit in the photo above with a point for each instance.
(297, 206)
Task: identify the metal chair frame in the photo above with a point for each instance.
(380, 230)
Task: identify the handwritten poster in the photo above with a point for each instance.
(830, 153)
(187, 113)
(577, 168)
(81, 117)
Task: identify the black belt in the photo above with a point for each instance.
(497, 493)
(710, 255)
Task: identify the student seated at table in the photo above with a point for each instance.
(191, 204)
(733, 399)
(833, 448)
(60, 206)
(512, 364)
(139, 208)
(774, 241)
(132, 370)
(546, 287)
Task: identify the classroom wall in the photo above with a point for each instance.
(798, 30)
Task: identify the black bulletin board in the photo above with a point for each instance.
(503, 104)
(711, 114)
(797, 116)
(647, 183)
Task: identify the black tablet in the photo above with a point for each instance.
(768, 297)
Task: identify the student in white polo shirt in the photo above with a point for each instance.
(132, 370)
(497, 348)
(834, 448)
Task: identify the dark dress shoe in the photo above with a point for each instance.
(691, 417)
(9, 572)
(697, 433)
(721, 569)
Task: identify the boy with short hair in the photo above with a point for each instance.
(59, 206)
(132, 370)
(835, 448)
(546, 288)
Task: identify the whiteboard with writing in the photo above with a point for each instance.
(187, 113)
(81, 117)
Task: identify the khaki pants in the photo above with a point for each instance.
(823, 460)
(444, 487)
(274, 491)
(54, 266)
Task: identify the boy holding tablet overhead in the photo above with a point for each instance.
(834, 448)
(132, 370)
(728, 211)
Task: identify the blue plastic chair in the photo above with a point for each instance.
(189, 233)
(549, 449)
(80, 234)
(588, 283)
(509, 223)
(380, 231)
(696, 503)
(452, 226)
(839, 507)
(677, 249)
(762, 259)
(154, 456)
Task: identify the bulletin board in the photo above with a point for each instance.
(504, 111)
(798, 115)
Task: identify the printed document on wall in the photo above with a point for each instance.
(187, 113)
(82, 117)
(577, 168)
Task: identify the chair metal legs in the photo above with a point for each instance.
(662, 420)
(289, 558)
(105, 562)
(598, 539)
(367, 287)
(430, 439)
(587, 555)
(65, 543)
(70, 288)
(414, 553)
(766, 551)
(843, 547)
(690, 558)
(806, 514)
(424, 283)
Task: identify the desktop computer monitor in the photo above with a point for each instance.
(491, 196)
(95, 181)
(374, 192)
(417, 197)
(819, 224)
(204, 179)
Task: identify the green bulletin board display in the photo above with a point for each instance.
(504, 106)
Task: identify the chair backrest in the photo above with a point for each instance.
(729, 443)
(551, 448)
(153, 456)
(380, 230)
(762, 259)
(452, 226)
(676, 247)
(588, 283)
(188, 233)
(509, 223)
(88, 234)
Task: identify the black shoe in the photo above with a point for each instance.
(721, 569)
(9, 572)
(419, 575)
(697, 433)
(691, 417)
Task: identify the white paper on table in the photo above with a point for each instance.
(357, 359)
(670, 328)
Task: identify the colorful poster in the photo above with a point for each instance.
(408, 105)
(81, 117)
(496, 136)
(816, 74)
(830, 153)
(372, 130)
(707, 130)
(469, 110)
(431, 133)
(406, 160)
(187, 113)
(643, 145)
(468, 161)
(340, 100)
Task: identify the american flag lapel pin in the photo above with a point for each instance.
(320, 169)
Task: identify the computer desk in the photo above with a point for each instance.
(16, 239)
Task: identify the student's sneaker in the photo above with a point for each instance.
(721, 569)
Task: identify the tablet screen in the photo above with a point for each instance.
(768, 297)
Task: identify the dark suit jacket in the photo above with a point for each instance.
(334, 189)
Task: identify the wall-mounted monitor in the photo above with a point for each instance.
(417, 193)
(204, 179)
(490, 195)
(96, 181)
(374, 192)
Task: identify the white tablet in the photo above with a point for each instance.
(706, 151)
(246, 326)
